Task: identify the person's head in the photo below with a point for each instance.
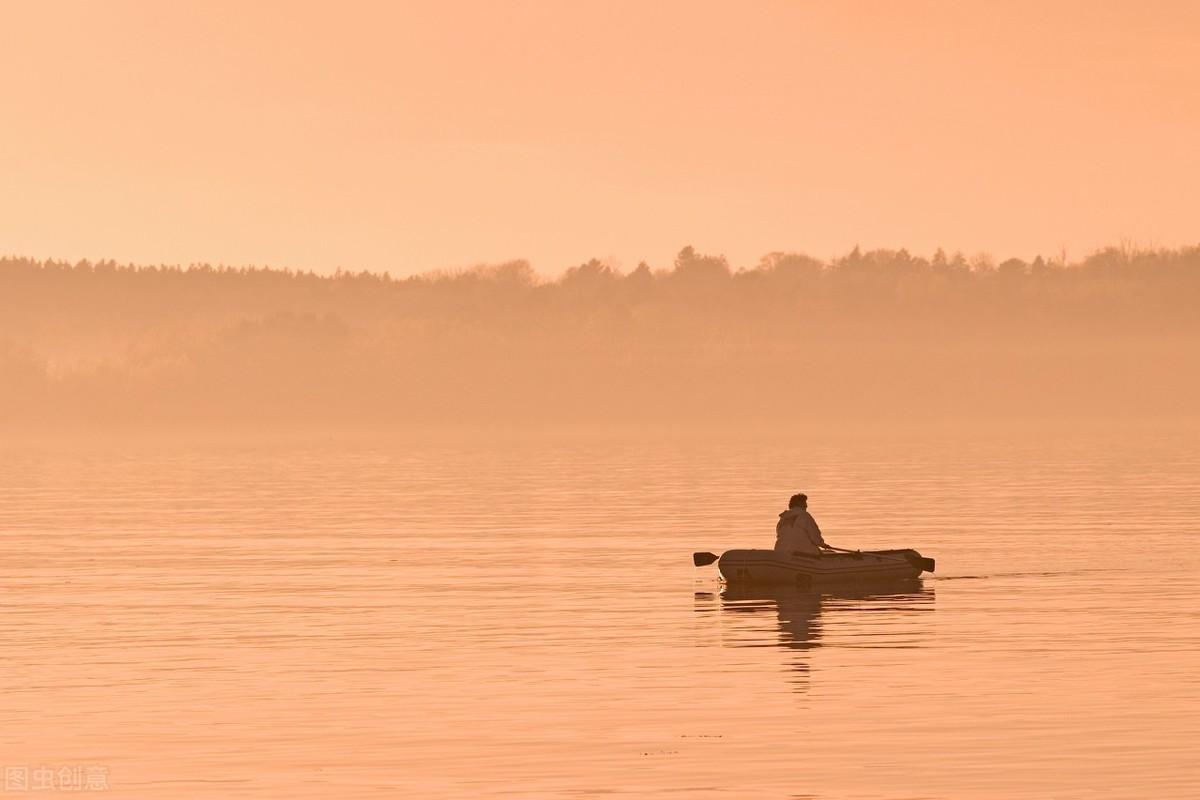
(798, 501)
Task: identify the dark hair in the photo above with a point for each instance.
(798, 499)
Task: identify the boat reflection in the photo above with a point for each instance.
(875, 616)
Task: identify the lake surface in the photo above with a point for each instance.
(495, 620)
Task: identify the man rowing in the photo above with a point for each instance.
(799, 558)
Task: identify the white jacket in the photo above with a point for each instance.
(797, 531)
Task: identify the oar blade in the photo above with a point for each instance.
(704, 559)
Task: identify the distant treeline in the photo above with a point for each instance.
(880, 334)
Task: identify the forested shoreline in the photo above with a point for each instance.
(870, 335)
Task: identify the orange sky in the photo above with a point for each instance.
(412, 136)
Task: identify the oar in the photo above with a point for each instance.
(704, 559)
(926, 564)
(859, 552)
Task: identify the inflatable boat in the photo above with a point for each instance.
(804, 569)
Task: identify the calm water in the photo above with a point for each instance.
(496, 621)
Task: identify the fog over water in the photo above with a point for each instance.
(882, 336)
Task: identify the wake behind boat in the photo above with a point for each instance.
(802, 557)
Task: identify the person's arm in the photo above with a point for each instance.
(817, 530)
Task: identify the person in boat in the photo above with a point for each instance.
(797, 531)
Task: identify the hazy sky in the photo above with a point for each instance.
(410, 136)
